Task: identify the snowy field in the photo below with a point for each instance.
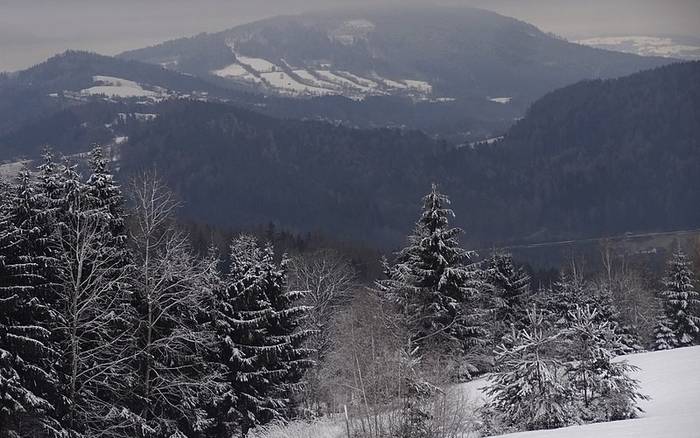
(672, 379)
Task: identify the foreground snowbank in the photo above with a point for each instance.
(672, 379)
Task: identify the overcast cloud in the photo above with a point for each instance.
(33, 30)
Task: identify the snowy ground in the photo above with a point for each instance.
(672, 379)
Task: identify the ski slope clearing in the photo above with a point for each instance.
(672, 380)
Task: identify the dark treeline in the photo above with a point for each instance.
(112, 324)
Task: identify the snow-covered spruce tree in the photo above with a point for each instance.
(436, 283)
(29, 385)
(563, 297)
(528, 391)
(260, 340)
(104, 195)
(607, 312)
(680, 300)
(664, 337)
(507, 298)
(93, 300)
(603, 389)
(172, 380)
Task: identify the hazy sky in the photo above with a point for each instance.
(33, 30)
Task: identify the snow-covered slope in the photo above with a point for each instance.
(118, 87)
(683, 48)
(672, 380)
(322, 81)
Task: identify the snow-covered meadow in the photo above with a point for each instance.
(671, 379)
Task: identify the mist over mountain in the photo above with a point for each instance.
(424, 52)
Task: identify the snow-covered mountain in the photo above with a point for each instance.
(666, 46)
(436, 53)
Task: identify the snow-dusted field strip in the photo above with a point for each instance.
(672, 379)
(503, 100)
(118, 87)
(282, 81)
(329, 76)
(314, 82)
(258, 64)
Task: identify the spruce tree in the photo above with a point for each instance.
(509, 290)
(664, 337)
(435, 282)
(260, 340)
(607, 312)
(105, 196)
(28, 378)
(680, 299)
(604, 389)
(528, 391)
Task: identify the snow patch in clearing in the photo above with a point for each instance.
(233, 70)
(258, 64)
(502, 100)
(420, 86)
(285, 83)
(342, 82)
(117, 87)
(236, 71)
(307, 76)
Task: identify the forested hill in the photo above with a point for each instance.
(594, 158)
(236, 167)
(608, 156)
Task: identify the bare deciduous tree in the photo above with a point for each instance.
(94, 328)
(171, 287)
(327, 280)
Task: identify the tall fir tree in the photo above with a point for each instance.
(28, 379)
(104, 195)
(607, 312)
(258, 324)
(507, 300)
(680, 300)
(664, 337)
(436, 283)
(605, 391)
